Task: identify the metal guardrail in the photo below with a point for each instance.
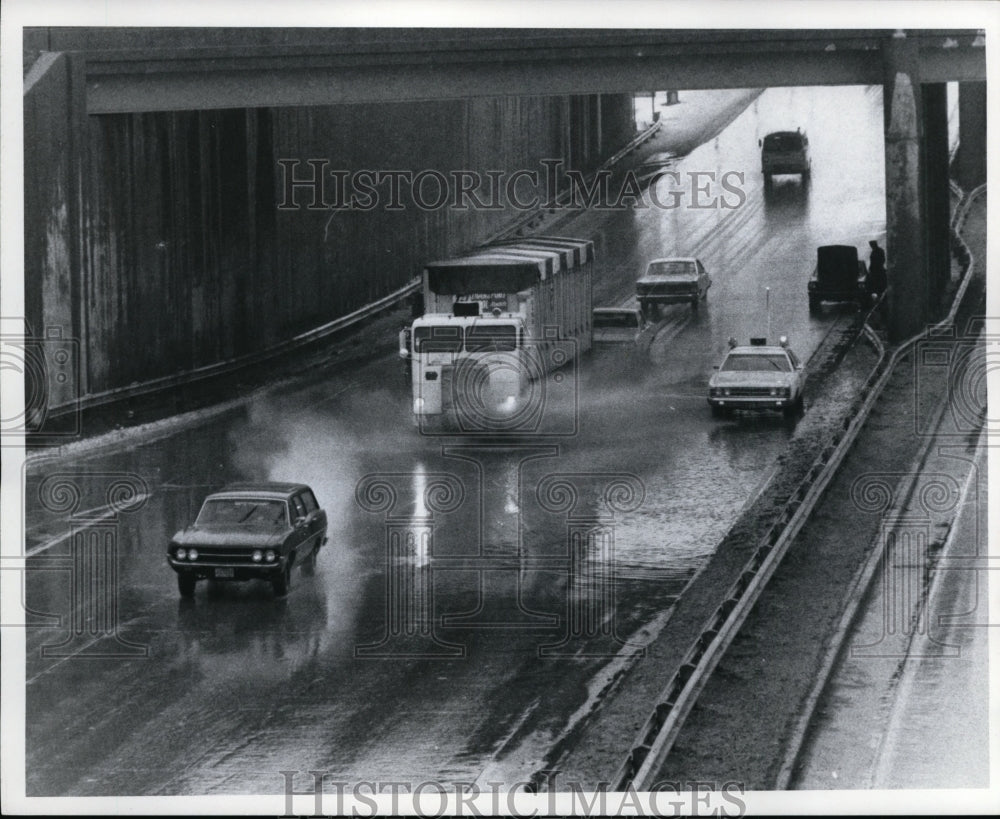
(661, 729)
(233, 364)
(561, 199)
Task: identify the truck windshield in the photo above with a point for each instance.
(751, 362)
(437, 339)
(478, 338)
(491, 337)
(671, 268)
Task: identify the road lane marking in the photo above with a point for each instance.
(110, 513)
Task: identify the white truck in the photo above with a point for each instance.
(497, 320)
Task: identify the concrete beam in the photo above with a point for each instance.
(437, 65)
(180, 91)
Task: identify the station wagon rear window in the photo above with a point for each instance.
(243, 511)
(755, 362)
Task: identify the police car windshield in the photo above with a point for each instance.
(752, 362)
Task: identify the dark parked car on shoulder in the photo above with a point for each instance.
(250, 530)
(839, 276)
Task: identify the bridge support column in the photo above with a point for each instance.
(971, 159)
(909, 291)
(936, 194)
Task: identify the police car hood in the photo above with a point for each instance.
(751, 378)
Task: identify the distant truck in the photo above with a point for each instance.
(785, 152)
(839, 276)
(497, 319)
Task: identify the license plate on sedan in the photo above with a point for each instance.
(221, 573)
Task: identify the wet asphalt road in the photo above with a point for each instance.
(535, 562)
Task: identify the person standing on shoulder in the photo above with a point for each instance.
(877, 280)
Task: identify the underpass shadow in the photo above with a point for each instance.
(738, 423)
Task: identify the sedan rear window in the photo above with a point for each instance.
(671, 268)
(755, 362)
(243, 511)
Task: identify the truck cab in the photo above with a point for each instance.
(478, 357)
(785, 152)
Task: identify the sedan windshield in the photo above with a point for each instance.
(754, 362)
(247, 511)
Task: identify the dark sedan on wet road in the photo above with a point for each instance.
(250, 531)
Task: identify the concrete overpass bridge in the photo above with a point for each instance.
(106, 73)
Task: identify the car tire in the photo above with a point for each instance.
(813, 306)
(309, 567)
(794, 409)
(719, 412)
(694, 303)
(283, 582)
(768, 182)
(186, 584)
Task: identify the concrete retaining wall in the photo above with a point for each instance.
(156, 238)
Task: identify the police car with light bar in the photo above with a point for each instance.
(758, 376)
